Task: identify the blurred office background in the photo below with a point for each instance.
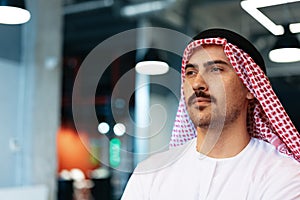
(49, 150)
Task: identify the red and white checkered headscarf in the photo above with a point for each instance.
(267, 119)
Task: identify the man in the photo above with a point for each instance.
(246, 147)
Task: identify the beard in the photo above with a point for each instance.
(214, 116)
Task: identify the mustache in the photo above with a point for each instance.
(200, 94)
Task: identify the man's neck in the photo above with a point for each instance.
(223, 143)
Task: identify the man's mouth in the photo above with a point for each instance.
(200, 100)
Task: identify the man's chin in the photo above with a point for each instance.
(200, 107)
(204, 125)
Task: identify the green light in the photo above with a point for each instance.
(115, 152)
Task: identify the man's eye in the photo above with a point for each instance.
(190, 73)
(216, 69)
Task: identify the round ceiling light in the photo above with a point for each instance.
(285, 55)
(103, 127)
(13, 15)
(152, 67)
(286, 48)
(119, 129)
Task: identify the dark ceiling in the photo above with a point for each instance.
(84, 30)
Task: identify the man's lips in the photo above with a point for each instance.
(201, 100)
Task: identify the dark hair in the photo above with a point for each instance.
(237, 40)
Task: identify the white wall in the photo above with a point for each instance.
(9, 104)
(30, 101)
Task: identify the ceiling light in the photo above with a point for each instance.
(286, 49)
(13, 12)
(152, 67)
(143, 8)
(103, 127)
(251, 6)
(77, 174)
(100, 173)
(119, 129)
(295, 27)
(65, 175)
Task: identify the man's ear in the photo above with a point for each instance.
(249, 96)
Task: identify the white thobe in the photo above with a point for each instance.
(258, 172)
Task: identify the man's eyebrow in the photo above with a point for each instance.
(190, 65)
(208, 63)
(213, 62)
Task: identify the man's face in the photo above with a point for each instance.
(214, 94)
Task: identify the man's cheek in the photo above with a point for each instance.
(187, 89)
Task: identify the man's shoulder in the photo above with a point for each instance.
(162, 160)
(278, 174)
(269, 156)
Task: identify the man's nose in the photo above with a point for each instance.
(199, 83)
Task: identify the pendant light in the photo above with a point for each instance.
(152, 67)
(152, 64)
(13, 12)
(286, 48)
